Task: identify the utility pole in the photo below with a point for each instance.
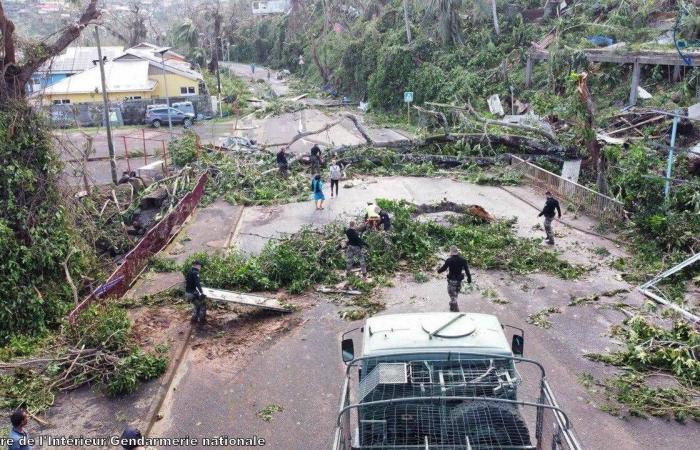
(105, 102)
(165, 87)
(215, 55)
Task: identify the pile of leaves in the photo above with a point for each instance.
(251, 178)
(183, 150)
(98, 351)
(314, 256)
(649, 351)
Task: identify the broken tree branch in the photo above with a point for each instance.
(469, 109)
(69, 279)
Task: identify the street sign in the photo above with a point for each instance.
(408, 97)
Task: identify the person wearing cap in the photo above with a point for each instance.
(17, 439)
(131, 439)
(456, 265)
(372, 217)
(551, 206)
(194, 293)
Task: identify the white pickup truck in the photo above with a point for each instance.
(445, 381)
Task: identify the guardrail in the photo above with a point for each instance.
(590, 201)
(152, 242)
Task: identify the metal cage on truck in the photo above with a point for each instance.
(429, 402)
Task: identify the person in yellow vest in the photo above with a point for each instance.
(372, 217)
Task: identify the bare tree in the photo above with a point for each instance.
(16, 74)
(406, 21)
(130, 26)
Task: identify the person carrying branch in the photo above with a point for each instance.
(551, 206)
(194, 293)
(456, 265)
(354, 252)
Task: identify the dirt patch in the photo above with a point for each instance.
(233, 331)
(152, 326)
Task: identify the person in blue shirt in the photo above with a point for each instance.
(18, 437)
(317, 188)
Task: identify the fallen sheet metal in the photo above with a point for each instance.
(244, 299)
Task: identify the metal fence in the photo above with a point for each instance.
(152, 242)
(469, 401)
(590, 201)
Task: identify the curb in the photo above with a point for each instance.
(166, 384)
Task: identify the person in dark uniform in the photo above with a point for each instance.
(456, 265)
(315, 159)
(354, 252)
(282, 163)
(550, 206)
(384, 220)
(194, 293)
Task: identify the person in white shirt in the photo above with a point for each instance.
(336, 175)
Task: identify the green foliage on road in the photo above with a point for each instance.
(98, 350)
(314, 256)
(251, 178)
(183, 150)
(650, 350)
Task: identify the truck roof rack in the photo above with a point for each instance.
(465, 401)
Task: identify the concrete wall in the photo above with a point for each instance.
(132, 111)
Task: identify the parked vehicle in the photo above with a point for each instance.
(186, 107)
(445, 381)
(157, 116)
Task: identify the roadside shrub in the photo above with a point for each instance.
(183, 150)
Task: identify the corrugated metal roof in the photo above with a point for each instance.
(171, 65)
(120, 76)
(78, 59)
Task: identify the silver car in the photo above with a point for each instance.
(158, 116)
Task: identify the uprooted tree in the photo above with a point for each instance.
(39, 249)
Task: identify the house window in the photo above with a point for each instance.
(63, 101)
(187, 90)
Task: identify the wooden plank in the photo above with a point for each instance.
(244, 299)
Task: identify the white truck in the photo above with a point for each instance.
(447, 381)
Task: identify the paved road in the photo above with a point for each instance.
(301, 372)
(146, 145)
